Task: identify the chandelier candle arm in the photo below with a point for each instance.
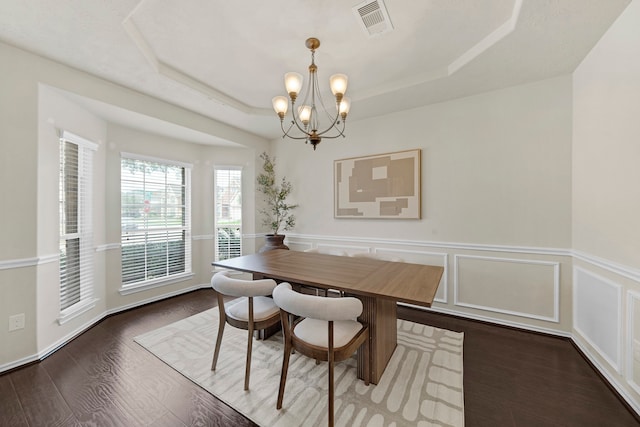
(307, 118)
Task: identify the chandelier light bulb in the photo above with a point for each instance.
(304, 113)
(280, 105)
(293, 83)
(345, 105)
(338, 83)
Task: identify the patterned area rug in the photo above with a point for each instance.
(421, 386)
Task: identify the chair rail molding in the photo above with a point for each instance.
(435, 244)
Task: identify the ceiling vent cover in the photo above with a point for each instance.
(373, 17)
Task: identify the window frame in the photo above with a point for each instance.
(216, 218)
(186, 229)
(69, 309)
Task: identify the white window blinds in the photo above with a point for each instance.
(228, 215)
(76, 230)
(155, 219)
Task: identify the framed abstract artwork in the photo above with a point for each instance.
(378, 186)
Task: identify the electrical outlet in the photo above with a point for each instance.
(16, 322)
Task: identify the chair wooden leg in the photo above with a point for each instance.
(331, 392)
(283, 373)
(286, 320)
(331, 363)
(222, 320)
(249, 345)
(216, 353)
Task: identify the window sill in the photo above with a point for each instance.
(76, 310)
(156, 283)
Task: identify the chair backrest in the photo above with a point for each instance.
(316, 307)
(232, 287)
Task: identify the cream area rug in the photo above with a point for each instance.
(421, 386)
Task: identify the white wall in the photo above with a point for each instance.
(496, 195)
(30, 111)
(606, 203)
(56, 113)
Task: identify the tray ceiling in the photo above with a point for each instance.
(226, 59)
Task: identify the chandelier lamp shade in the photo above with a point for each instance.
(311, 121)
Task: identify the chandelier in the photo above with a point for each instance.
(307, 120)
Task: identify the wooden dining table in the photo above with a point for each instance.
(377, 283)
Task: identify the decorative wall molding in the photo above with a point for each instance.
(619, 269)
(18, 263)
(633, 343)
(602, 369)
(594, 295)
(556, 287)
(45, 259)
(28, 262)
(493, 320)
(431, 244)
(625, 387)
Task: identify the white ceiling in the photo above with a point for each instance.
(226, 59)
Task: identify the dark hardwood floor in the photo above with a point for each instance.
(103, 378)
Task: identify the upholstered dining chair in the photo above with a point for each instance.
(254, 311)
(327, 330)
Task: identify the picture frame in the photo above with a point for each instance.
(380, 186)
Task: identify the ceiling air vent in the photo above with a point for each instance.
(373, 17)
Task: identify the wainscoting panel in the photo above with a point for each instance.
(597, 314)
(518, 287)
(633, 340)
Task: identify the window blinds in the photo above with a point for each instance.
(75, 213)
(155, 219)
(228, 215)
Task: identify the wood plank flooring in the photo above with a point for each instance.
(103, 378)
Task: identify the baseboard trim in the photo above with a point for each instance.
(611, 382)
(49, 350)
(493, 321)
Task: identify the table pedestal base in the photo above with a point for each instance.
(381, 315)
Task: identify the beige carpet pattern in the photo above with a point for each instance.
(422, 385)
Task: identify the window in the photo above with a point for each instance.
(155, 220)
(76, 231)
(228, 216)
